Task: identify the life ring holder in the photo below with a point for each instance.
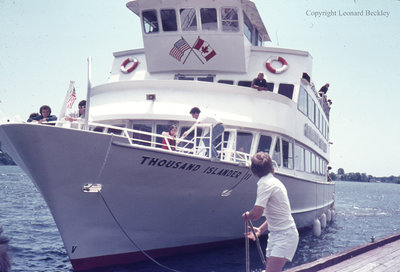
(282, 69)
(126, 68)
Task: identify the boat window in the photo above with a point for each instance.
(244, 83)
(270, 86)
(286, 90)
(317, 116)
(140, 138)
(287, 153)
(248, 27)
(317, 164)
(229, 19)
(311, 109)
(226, 81)
(150, 23)
(307, 161)
(260, 42)
(264, 144)
(277, 152)
(188, 19)
(302, 103)
(243, 142)
(208, 18)
(181, 77)
(168, 19)
(207, 79)
(114, 131)
(313, 164)
(320, 121)
(299, 157)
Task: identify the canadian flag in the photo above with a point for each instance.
(204, 49)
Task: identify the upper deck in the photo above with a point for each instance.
(198, 35)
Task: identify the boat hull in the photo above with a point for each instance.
(160, 202)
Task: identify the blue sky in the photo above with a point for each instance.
(45, 44)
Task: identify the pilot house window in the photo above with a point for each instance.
(150, 23)
(209, 19)
(229, 18)
(168, 18)
(188, 19)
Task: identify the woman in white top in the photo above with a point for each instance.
(272, 202)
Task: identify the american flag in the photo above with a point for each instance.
(71, 99)
(179, 49)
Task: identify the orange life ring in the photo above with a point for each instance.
(282, 69)
(125, 68)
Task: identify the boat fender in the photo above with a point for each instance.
(328, 215)
(317, 227)
(282, 69)
(126, 67)
(323, 221)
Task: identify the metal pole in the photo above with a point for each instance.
(89, 89)
(247, 248)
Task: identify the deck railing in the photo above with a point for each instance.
(199, 145)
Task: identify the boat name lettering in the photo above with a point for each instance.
(170, 164)
(209, 170)
(222, 172)
(313, 136)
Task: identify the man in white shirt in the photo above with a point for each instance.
(272, 202)
(217, 128)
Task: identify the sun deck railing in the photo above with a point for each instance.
(199, 145)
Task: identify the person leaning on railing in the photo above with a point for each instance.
(79, 114)
(217, 128)
(45, 115)
(169, 139)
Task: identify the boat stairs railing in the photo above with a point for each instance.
(199, 145)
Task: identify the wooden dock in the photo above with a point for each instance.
(380, 256)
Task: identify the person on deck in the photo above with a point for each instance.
(45, 115)
(272, 201)
(259, 82)
(79, 114)
(169, 139)
(217, 128)
(324, 89)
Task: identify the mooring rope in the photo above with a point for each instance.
(249, 224)
(247, 248)
(132, 241)
(115, 218)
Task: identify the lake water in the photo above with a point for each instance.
(363, 210)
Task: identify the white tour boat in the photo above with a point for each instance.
(117, 196)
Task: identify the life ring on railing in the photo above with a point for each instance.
(282, 69)
(126, 67)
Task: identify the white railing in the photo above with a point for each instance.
(195, 146)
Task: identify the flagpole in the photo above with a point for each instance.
(89, 89)
(64, 105)
(191, 49)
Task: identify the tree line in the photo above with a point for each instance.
(362, 177)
